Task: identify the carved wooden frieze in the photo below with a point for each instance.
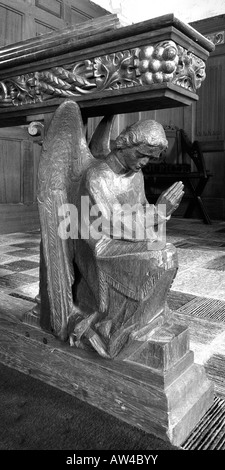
(105, 67)
(152, 64)
(216, 38)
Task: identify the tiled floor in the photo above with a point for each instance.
(198, 292)
(19, 271)
(197, 295)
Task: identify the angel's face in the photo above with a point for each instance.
(139, 156)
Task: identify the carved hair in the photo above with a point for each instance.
(142, 132)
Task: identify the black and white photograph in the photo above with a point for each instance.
(112, 232)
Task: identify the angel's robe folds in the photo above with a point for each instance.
(120, 247)
(113, 205)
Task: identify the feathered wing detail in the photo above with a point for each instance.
(64, 157)
(100, 141)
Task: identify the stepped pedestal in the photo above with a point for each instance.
(183, 391)
(166, 398)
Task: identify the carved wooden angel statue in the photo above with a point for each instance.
(107, 274)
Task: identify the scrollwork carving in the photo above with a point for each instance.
(36, 129)
(145, 66)
(216, 38)
(190, 71)
(19, 90)
(116, 70)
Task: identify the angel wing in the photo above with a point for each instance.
(64, 156)
(100, 142)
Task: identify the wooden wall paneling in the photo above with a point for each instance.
(64, 12)
(28, 171)
(55, 7)
(209, 25)
(18, 218)
(78, 11)
(28, 27)
(21, 5)
(24, 19)
(36, 159)
(171, 117)
(18, 174)
(11, 24)
(10, 161)
(209, 109)
(129, 119)
(210, 115)
(14, 133)
(18, 185)
(3, 182)
(41, 18)
(210, 122)
(49, 18)
(87, 8)
(77, 16)
(19, 154)
(148, 115)
(45, 22)
(42, 28)
(67, 13)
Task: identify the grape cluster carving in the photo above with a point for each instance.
(158, 63)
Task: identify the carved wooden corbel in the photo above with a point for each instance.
(36, 129)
